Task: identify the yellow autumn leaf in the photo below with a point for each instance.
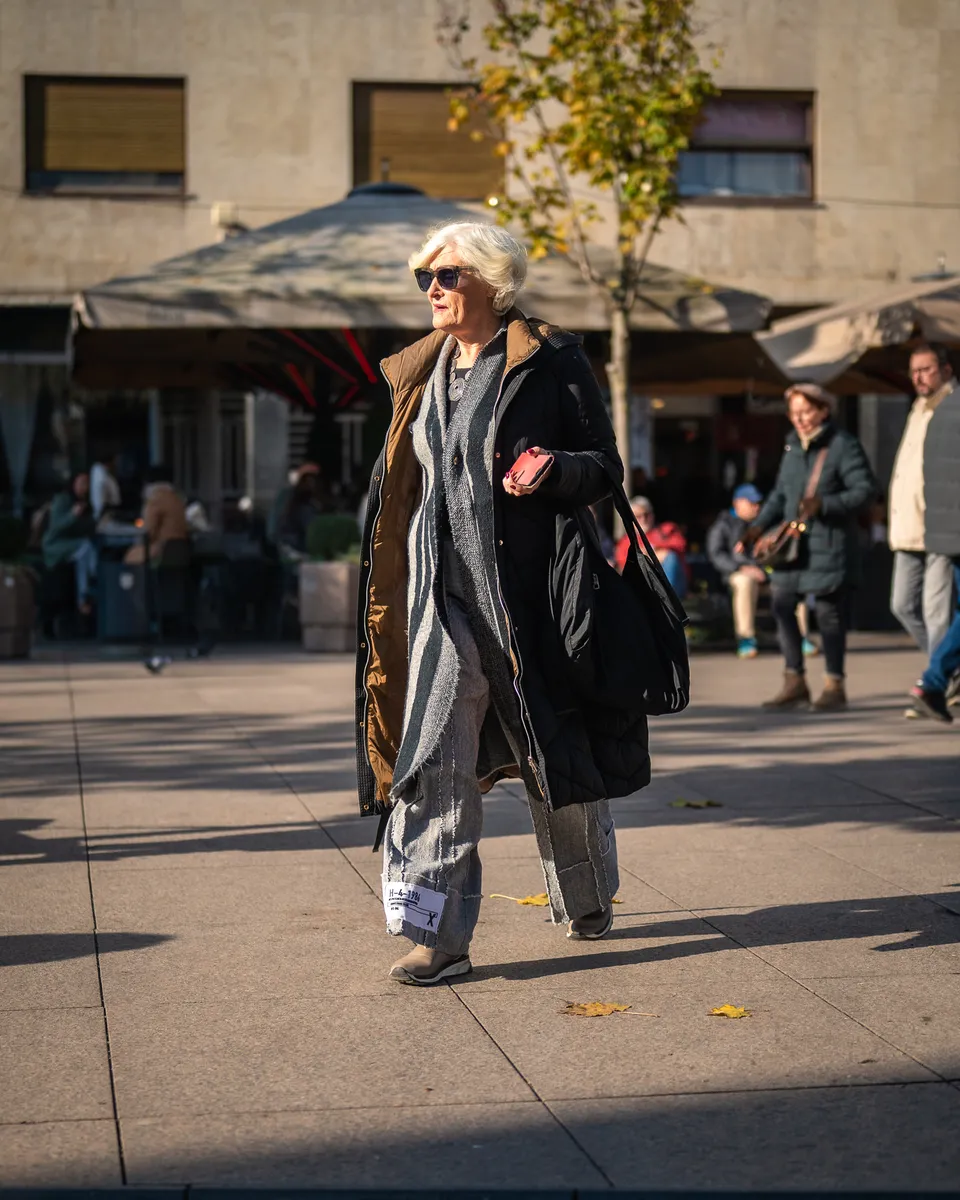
(540, 901)
(593, 1008)
(732, 1011)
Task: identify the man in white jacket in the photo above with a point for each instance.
(922, 593)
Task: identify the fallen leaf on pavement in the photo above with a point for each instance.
(730, 1010)
(695, 804)
(540, 901)
(594, 1008)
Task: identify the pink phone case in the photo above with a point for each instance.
(530, 468)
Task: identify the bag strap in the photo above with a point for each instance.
(814, 481)
(633, 527)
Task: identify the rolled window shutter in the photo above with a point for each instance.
(408, 130)
(122, 126)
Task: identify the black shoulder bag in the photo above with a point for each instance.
(623, 635)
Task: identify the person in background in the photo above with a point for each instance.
(69, 537)
(164, 515)
(301, 504)
(829, 556)
(104, 489)
(666, 539)
(728, 555)
(922, 592)
(938, 688)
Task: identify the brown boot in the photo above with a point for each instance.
(423, 966)
(793, 693)
(833, 696)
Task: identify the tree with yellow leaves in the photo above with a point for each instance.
(585, 97)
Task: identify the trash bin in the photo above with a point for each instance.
(121, 602)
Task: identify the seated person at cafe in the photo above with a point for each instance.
(164, 515)
(667, 541)
(68, 537)
(296, 507)
(735, 564)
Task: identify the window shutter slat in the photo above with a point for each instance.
(114, 127)
(408, 127)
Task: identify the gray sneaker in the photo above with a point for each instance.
(592, 927)
(423, 966)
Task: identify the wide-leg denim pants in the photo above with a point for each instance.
(432, 879)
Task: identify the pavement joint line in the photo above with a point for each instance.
(93, 911)
(891, 882)
(569, 1132)
(836, 1007)
(867, 787)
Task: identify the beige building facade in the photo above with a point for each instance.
(833, 170)
(268, 88)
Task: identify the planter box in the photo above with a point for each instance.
(328, 606)
(16, 613)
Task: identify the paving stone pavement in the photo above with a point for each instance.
(193, 964)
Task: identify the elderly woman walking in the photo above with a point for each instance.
(823, 482)
(461, 678)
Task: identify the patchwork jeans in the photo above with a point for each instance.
(432, 879)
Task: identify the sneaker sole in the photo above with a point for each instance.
(928, 710)
(575, 936)
(464, 967)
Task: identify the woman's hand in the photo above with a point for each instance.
(521, 489)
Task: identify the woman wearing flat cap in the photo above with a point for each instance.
(461, 678)
(824, 480)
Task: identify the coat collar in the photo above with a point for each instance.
(819, 439)
(525, 335)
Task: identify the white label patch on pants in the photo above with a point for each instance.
(417, 905)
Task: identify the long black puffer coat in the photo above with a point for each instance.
(550, 398)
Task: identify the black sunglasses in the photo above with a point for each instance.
(447, 277)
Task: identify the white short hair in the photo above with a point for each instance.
(495, 255)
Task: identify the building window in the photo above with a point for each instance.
(400, 134)
(119, 135)
(751, 145)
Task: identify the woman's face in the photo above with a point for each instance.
(81, 486)
(464, 308)
(805, 417)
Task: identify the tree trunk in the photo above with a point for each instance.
(618, 377)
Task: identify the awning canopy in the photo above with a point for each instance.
(345, 265)
(822, 344)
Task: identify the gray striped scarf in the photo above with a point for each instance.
(457, 474)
